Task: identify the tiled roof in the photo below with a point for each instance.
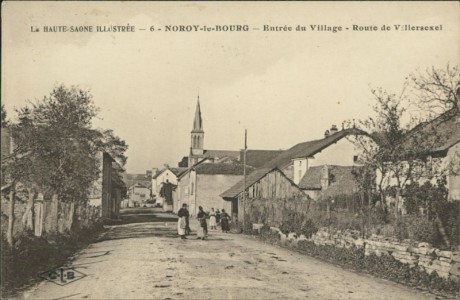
(252, 178)
(221, 169)
(310, 148)
(139, 185)
(221, 153)
(341, 180)
(257, 158)
(155, 176)
(175, 171)
(312, 179)
(439, 134)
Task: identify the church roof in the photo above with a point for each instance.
(221, 153)
(221, 169)
(198, 122)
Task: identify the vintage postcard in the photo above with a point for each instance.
(230, 150)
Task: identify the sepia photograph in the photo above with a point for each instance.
(230, 150)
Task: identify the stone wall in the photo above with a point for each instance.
(445, 263)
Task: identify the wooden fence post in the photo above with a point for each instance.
(29, 214)
(39, 211)
(54, 214)
(10, 232)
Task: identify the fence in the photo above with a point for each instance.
(49, 217)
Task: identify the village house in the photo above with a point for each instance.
(168, 174)
(137, 195)
(336, 148)
(202, 184)
(143, 179)
(266, 189)
(329, 182)
(440, 141)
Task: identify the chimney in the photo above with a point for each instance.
(334, 129)
(324, 177)
(326, 134)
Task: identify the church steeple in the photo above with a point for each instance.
(198, 122)
(197, 137)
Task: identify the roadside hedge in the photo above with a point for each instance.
(384, 266)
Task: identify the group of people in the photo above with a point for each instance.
(215, 218)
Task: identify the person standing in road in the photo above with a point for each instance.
(182, 222)
(217, 216)
(225, 221)
(212, 219)
(203, 231)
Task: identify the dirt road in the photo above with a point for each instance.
(148, 261)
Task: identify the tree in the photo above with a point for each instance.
(114, 146)
(406, 148)
(399, 149)
(58, 151)
(57, 133)
(437, 89)
(8, 180)
(5, 122)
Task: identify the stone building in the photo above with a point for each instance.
(202, 184)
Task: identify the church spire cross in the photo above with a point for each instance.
(198, 122)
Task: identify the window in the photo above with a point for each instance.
(300, 163)
(355, 158)
(300, 174)
(192, 188)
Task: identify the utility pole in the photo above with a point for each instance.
(244, 176)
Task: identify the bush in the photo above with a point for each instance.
(420, 229)
(32, 255)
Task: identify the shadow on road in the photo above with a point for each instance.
(142, 230)
(141, 222)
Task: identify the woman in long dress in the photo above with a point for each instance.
(182, 222)
(225, 221)
(212, 219)
(218, 217)
(202, 233)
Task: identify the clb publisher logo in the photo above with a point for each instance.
(62, 275)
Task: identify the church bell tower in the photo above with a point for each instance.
(197, 135)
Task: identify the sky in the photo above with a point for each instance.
(284, 87)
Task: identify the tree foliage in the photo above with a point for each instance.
(57, 149)
(4, 116)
